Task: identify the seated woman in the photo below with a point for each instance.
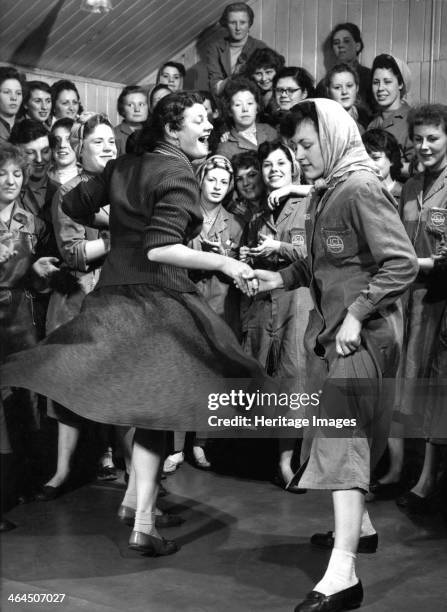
(132, 106)
(227, 56)
(273, 324)
(347, 44)
(221, 233)
(65, 100)
(291, 85)
(262, 67)
(359, 261)
(240, 106)
(342, 85)
(384, 150)
(37, 102)
(10, 100)
(25, 269)
(390, 85)
(82, 250)
(172, 74)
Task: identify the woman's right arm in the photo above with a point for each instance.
(87, 198)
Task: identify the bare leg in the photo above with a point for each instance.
(67, 440)
(348, 513)
(396, 450)
(286, 448)
(148, 449)
(427, 479)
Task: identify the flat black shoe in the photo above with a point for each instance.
(48, 493)
(414, 504)
(162, 491)
(150, 545)
(388, 490)
(6, 525)
(289, 487)
(367, 544)
(348, 599)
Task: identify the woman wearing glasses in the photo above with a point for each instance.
(291, 85)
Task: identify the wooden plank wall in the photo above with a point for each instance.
(298, 29)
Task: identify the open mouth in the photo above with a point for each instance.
(204, 139)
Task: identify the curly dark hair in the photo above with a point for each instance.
(304, 111)
(263, 58)
(387, 62)
(62, 85)
(168, 112)
(267, 147)
(10, 153)
(26, 131)
(129, 89)
(301, 77)
(427, 114)
(377, 140)
(352, 29)
(177, 65)
(245, 160)
(232, 87)
(236, 7)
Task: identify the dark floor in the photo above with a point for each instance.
(244, 547)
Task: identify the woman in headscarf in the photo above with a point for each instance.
(359, 261)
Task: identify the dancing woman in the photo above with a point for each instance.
(145, 346)
(359, 262)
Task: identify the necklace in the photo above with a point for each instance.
(209, 217)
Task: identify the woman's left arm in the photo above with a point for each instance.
(378, 223)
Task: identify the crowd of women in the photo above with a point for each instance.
(309, 219)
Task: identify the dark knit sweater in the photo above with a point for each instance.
(154, 201)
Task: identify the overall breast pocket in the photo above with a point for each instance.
(437, 222)
(339, 243)
(298, 237)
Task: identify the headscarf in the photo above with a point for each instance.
(215, 161)
(341, 144)
(404, 70)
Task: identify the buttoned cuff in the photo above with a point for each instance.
(361, 308)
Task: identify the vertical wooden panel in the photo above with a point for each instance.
(427, 30)
(256, 28)
(324, 55)
(295, 50)
(400, 29)
(384, 26)
(416, 30)
(282, 32)
(269, 22)
(354, 13)
(423, 93)
(415, 68)
(339, 11)
(369, 30)
(443, 29)
(310, 41)
(440, 92)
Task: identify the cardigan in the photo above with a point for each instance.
(154, 202)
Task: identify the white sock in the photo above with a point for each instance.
(145, 522)
(340, 573)
(367, 527)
